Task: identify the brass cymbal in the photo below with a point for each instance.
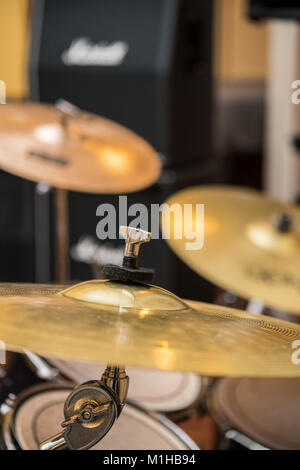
(8, 289)
(80, 152)
(149, 327)
(243, 252)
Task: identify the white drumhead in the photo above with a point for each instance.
(40, 415)
(266, 410)
(152, 389)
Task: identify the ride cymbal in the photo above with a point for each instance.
(251, 243)
(78, 151)
(149, 327)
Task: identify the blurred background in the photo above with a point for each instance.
(207, 83)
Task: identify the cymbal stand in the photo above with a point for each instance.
(61, 206)
(42, 232)
(92, 408)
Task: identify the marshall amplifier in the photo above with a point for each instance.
(147, 65)
(284, 9)
(17, 234)
(143, 63)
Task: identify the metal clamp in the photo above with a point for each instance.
(90, 411)
(130, 271)
(66, 110)
(133, 240)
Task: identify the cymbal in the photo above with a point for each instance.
(80, 152)
(26, 289)
(243, 250)
(146, 326)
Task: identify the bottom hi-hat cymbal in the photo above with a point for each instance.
(251, 243)
(148, 327)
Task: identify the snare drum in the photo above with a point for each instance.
(172, 393)
(37, 413)
(257, 413)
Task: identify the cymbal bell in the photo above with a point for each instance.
(146, 326)
(251, 244)
(79, 152)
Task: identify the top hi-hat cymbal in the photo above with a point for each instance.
(74, 150)
(146, 326)
(251, 244)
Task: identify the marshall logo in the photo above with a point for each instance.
(88, 250)
(49, 158)
(84, 52)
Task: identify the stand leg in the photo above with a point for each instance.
(62, 262)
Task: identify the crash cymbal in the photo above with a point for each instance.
(26, 289)
(147, 326)
(251, 243)
(78, 151)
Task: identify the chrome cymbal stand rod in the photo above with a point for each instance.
(42, 232)
(61, 205)
(255, 306)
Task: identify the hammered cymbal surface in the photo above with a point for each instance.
(242, 252)
(146, 326)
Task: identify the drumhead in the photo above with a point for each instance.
(39, 416)
(162, 391)
(266, 410)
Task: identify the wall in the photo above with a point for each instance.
(240, 44)
(13, 46)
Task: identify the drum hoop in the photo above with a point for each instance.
(28, 393)
(167, 423)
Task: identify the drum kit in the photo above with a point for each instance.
(184, 359)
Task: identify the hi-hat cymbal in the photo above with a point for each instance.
(149, 327)
(245, 251)
(80, 152)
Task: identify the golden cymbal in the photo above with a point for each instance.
(243, 252)
(149, 327)
(80, 152)
(8, 289)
